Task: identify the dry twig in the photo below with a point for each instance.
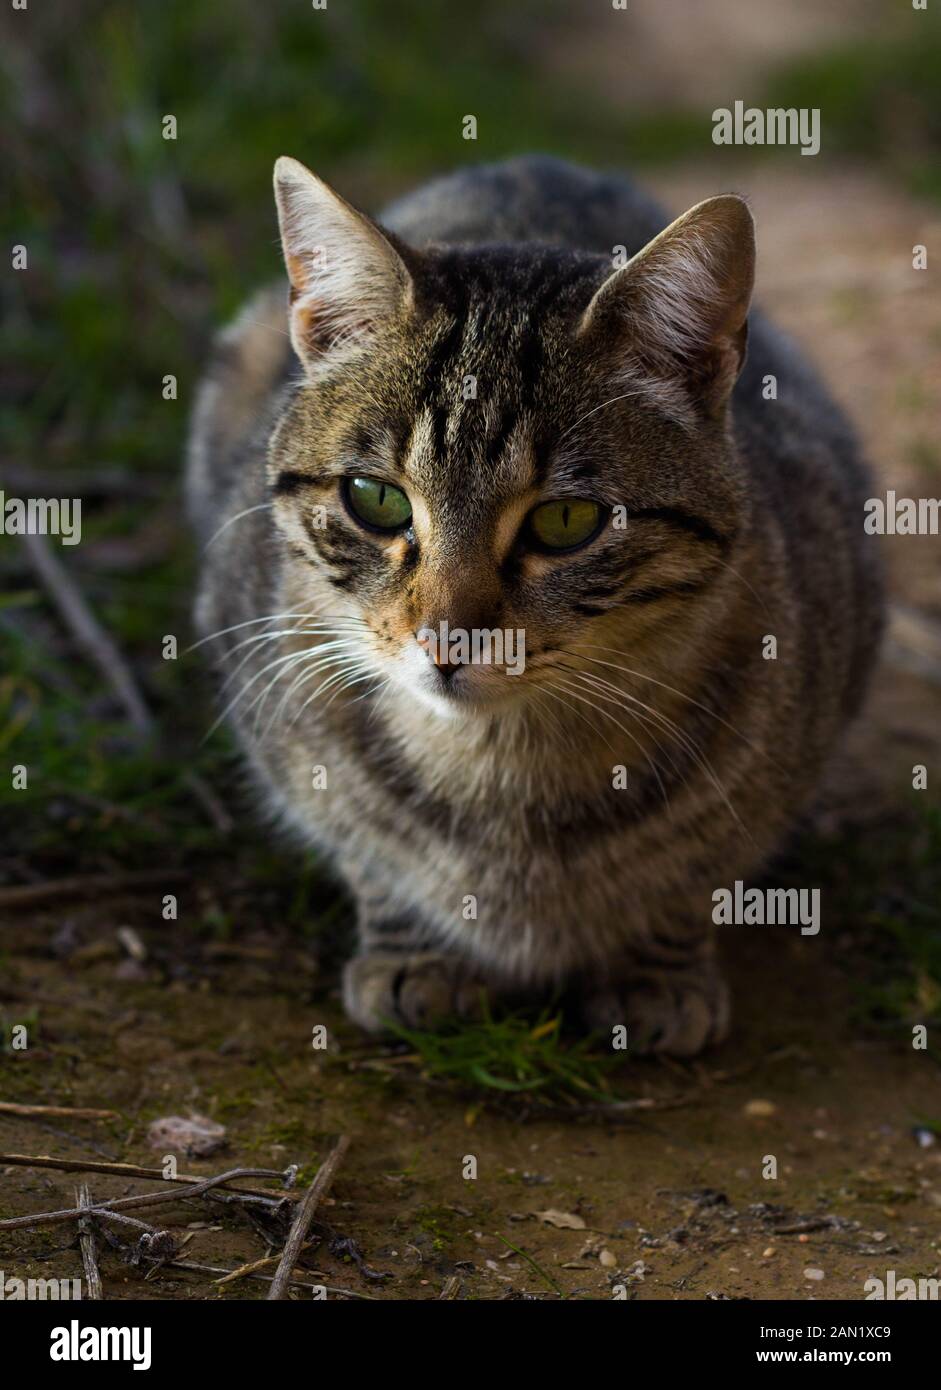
(147, 1199)
(87, 886)
(304, 1216)
(134, 1170)
(100, 648)
(62, 1112)
(86, 1240)
(262, 1263)
(211, 1269)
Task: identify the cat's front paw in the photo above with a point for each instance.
(419, 991)
(674, 1012)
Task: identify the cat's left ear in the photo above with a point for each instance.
(677, 313)
(346, 277)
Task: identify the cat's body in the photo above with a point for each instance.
(487, 834)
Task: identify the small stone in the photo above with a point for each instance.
(760, 1109)
(196, 1136)
(766, 1254)
(562, 1220)
(813, 1274)
(608, 1259)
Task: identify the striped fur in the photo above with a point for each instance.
(484, 838)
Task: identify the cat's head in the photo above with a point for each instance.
(507, 439)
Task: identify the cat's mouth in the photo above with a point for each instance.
(450, 688)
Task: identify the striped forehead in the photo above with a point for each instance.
(470, 445)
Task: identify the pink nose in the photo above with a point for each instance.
(438, 655)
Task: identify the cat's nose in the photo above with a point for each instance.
(437, 654)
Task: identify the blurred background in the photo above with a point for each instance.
(139, 247)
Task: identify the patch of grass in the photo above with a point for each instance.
(435, 1222)
(537, 1268)
(509, 1056)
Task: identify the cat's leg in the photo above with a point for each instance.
(398, 977)
(670, 999)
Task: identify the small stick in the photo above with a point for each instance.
(8, 1107)
(263, 1263)
(451, 1289)
(210, 802)
(86, 1240)
(304, 1216)
(119, 1219)
(87, 630)
(614, 1110)
(211, 1269)
(815, 1223)
(148, 1199)
(103, 651)
(134, 1170)
(87, 886)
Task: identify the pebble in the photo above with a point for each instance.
(608, 1259)
(760, 1108)
(813, 1273)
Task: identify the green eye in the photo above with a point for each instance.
(564, 524)
(378, 504)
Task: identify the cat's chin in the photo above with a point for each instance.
(460, 699)
(451, 703)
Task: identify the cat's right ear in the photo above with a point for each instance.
(676, 316)
(346, 277)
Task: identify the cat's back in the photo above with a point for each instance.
(529, 198)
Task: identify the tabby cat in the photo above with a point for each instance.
(520, 403)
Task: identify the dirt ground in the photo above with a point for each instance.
(671, 1202)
